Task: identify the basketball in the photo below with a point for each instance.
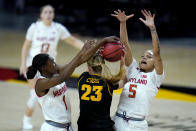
(112, 52)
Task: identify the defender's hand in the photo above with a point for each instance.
(149, 22)
(120, 15)
(84, 53)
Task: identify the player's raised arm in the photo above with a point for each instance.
(120, 15)
(121, 73)
(78, 44)
(85, 53)
(149, 22)
(61, 68)
(96, 45)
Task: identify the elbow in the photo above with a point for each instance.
(61, 78)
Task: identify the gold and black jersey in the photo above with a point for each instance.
(95, 96)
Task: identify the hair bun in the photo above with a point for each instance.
(31, 72)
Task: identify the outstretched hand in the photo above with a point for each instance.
(120, 15)
(149, 19)
(84, 52)
(88, 44)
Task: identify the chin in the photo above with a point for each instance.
(142, 67)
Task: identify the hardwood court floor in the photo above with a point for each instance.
(165, 115)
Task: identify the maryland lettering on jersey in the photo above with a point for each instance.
(60, 91)
(51, 39)
(140, 81)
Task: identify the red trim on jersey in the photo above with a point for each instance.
(64, 102)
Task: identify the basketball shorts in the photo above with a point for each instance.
(46, 127)
(123, 125)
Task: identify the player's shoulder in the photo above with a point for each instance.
(156, 77)
(84, 74)
(58, 25)
(133, 64)
(132, 69)
(155, 73)
(35, 24)
(32, 25)
(112, 86)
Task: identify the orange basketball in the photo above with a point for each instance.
(112, 52)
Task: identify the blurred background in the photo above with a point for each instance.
(174, 18)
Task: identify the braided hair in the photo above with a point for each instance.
(38, 61)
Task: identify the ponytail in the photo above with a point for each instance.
(31, 72)
(97, 63)
(37, 63)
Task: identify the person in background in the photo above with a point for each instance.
(42, 37)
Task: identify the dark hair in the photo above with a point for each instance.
(42, 8)
(38, 61)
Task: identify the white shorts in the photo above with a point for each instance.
(46, 127)
(123, 125)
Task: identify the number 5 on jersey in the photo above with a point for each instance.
(132, 90)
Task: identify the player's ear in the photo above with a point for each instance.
(43, 68)
(89, 69)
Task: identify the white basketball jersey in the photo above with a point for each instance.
(55, 104)
(139, 91)
(45, 38)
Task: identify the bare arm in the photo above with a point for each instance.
(24, 53)
(123, 34)
(149, 22)
(156, 50)
(122, 81)
(44, 84)
(78, 44)
(87, 51)
(121, 73)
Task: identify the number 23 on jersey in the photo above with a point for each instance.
(88, 89)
